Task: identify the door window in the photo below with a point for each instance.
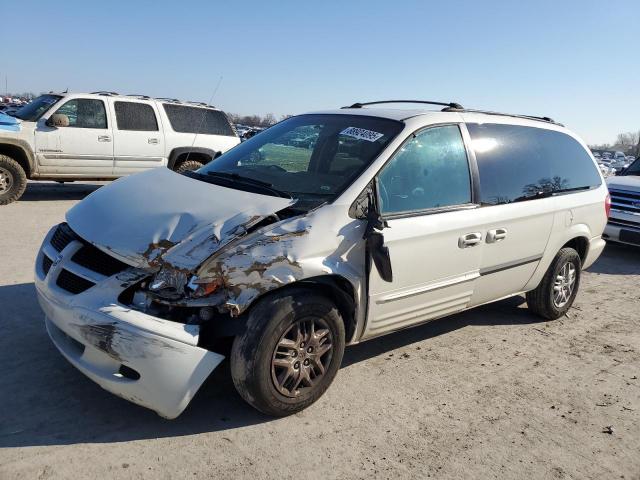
(135, 116)
(518, 163)
(85, 113)
(429, 171)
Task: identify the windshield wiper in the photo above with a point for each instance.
(251, 181)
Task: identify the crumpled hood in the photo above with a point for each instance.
(159, 217)
(628, 182)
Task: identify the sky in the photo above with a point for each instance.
(575, 61)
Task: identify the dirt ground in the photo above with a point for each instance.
(491, 393)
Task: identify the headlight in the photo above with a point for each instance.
(201, 287)
(168, 282)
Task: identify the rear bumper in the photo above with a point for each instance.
(147, 360)
(596, 246)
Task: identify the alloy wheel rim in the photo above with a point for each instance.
(301, 357)
(564, 284)
(6, 180)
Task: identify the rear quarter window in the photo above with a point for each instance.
(519, 163)
(186, 119)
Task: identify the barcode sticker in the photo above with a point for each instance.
(362, 134)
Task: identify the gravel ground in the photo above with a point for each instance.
(491, 393)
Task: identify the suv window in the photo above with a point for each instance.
(519, 163)
(429, 171)
(135, 116)
(198, 120)
(85, 113)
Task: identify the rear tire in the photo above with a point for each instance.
(188, 166)
(281, 364)
(13, 180)
(556, 292)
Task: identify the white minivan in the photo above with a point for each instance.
(381, 220)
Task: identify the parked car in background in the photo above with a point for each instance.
(391, 219)
(103, 135)
(624, 222)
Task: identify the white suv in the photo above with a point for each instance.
(103, 135)
(384, 219)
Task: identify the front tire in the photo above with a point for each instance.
(13, 180)
(289, 353)
(559, 286)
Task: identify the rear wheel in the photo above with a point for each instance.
(13, 180)
(559, 286)
(290, 352)
(188, 166)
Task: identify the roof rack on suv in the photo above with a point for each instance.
(442, 104)
(142, 97)
(170, 100)
(200, 104)
(106, 94)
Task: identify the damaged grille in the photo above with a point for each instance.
(46, 264)
(95, 259)
(73, 283)
(62, 237)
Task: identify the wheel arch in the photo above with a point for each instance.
(179, 154)
(20, 153)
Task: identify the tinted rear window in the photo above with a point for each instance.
(521, 163)
(135, 116)
(198, 120)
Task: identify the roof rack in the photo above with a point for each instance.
(106, 94)
(200, 104)
(442, 104)
(135, 95)
(170, 100)
(515, 115)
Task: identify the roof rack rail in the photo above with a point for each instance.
(105, 93)
(167, 99)
(135, 95)
(200, 104)
(515, 115)
(442, 104)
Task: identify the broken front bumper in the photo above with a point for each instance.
(150, 361)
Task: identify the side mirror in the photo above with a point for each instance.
(374, 237)
(58, 120)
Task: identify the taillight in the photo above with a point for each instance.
(607, 205)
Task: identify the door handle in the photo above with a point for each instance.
(152, 141)
(496, 235)
(104, 138)
(469, 240)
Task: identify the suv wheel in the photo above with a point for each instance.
(188, 166)
(559, 286)
(13, 180)
(289, 353)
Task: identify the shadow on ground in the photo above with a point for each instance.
(39, 191)
(45, 401)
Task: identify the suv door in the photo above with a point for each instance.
(138, 139)
(84, 147)
(434, 241)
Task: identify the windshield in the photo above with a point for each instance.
(37, 108)
(634, 169)
(311, 158)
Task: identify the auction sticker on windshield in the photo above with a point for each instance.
(361, 134)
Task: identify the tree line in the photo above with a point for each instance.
(628, 142)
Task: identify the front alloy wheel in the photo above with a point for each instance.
(290, 351)
(301, 357)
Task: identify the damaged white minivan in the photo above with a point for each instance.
(325, 230)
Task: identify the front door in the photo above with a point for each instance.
(138, 141)
(84, 147)
(433, 237)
